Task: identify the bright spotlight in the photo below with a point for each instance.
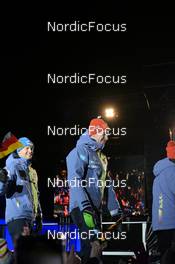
(109, 113)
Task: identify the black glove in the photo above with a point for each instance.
(39, 223)
(3, 175)
(12, 188)
(91, 222)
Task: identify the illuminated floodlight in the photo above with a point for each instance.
(110, 113)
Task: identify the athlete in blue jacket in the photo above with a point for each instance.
(87, 177)
(163, 207)
(21, 191)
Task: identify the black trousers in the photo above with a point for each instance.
(77, 218)
(166, 245)
(16, 227)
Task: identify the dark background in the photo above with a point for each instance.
(146, 104)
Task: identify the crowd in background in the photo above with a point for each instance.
(130, 190)
(128, 186)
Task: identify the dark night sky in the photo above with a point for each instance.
(145, 53)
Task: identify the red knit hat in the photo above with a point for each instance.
(171, 149)
(97, 125)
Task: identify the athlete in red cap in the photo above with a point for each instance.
(87, 166)
(163, 208)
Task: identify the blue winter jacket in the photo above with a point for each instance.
(163, 209)
(83, 163)
(19, 200)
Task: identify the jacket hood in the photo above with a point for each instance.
(162, 165)
(85, 139)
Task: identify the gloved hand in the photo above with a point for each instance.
(12, 188)
(88, 215)
(3, 175)
(39, 223)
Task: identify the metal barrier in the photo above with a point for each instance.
(127, 253)
(62, 227)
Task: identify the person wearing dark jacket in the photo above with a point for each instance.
(87, 165)
(163, 207)
(20, 186)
